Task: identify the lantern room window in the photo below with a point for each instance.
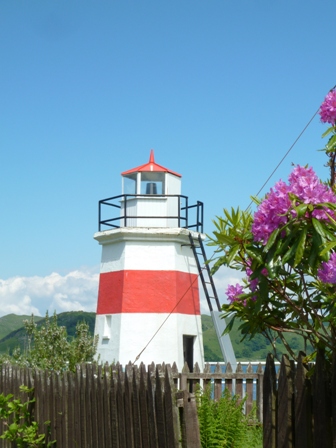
(129, 182)
(152, 183)
(144, 183)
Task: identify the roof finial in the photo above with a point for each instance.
(151, 157)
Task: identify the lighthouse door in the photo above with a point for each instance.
(188, 351)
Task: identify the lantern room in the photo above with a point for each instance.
(151, 179)
(151, 197)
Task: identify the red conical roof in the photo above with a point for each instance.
(150, 166)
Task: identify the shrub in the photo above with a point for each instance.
(223, 423)
(19, 425)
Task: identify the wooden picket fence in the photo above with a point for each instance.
(131, 407)
(299, 404)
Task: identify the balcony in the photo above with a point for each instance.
(150, 210)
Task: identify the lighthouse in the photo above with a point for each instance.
(148, 307)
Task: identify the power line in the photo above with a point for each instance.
(289, 150)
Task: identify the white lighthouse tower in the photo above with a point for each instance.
(148, 306)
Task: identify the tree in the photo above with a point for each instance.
(49, 347)
(287, 251)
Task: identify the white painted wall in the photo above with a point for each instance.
(147, 249)
(131, 332)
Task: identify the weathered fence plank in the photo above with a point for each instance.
(160, 418)
(285, 405)
(114, 408)
(259, 392)
(121, 408)
(269, 407)
(189, 420)
(171, 411)
(321, 404)
(249, 391)
(303, 411)
(128, 409)
(333, 400)
(143, 397)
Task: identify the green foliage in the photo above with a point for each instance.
(223, 424)
(49, 347)
(21, 429)
(290, 298)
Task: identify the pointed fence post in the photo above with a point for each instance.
(285, 404)
(249, 390)
(269, 404)
(321, 403)
(151, 378)
(259, 392)
(184, 377)
(303, 408)
(206, 376)
(217, 382)
(333, 399)
(159, 406)
(173, 433)
(239, 381)
(230, 383)
(189, 419)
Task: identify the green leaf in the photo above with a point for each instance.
(331, 143)
(328, 247)
(271, 239)
(301, 210)
(254, 254)
(318, 227)
(313, 255)
(300, 247)
(229, 326)
(283, 245)
(289, 254)
(328, 131)
(13, 427)
(232, 253)
(263, 289)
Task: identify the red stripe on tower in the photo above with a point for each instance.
(148, 292)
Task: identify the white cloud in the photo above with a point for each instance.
(76, 290)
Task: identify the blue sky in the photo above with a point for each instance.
(219, 89)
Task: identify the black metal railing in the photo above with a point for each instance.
(188, 216)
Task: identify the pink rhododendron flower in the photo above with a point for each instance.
(271, 213)
(274, 211)
(327, 271)
(305, 184)
(233, 292)
(328, 108)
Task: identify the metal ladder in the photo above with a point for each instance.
(212, 299)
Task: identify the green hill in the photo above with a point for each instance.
(12, 322)
(16, 337)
